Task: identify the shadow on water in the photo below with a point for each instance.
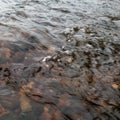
(59, 60)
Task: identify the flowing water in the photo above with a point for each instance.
(59, 60)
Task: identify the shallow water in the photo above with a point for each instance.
(59, 60)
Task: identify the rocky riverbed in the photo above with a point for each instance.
(59, 60)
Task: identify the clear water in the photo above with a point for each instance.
(59, 59)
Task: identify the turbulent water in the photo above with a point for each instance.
(59, 60)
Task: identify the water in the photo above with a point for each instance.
(59, 60)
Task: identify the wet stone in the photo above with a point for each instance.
(72, 73)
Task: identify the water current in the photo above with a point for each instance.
(59, 60)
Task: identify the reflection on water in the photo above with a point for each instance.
(59, 60)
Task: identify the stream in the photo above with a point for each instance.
(59, 60)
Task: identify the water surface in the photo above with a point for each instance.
(59, 60)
